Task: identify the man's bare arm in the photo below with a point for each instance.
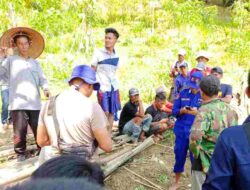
(103, 138)
(42, 136)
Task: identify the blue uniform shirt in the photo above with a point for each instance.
(185, 121)
(225, 89)
(230, 164)
(180, 83)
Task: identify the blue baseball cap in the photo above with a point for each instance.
(194, 83)
(197, 75)
(85, 73)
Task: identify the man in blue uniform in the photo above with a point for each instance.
(105, 62)
(185, 109)
(230, 164)
(181, 80)
(226, 91)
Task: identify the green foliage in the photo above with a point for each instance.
(151, 34)
(163, 178)
(140, 188)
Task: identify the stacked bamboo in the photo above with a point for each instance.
(12, 171)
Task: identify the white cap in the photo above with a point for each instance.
(161, 89)
(182, 52)
(202, 54)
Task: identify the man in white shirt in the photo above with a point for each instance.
(25, 77)
(105, 63)
(77, 125)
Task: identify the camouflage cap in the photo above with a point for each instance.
(210, 85)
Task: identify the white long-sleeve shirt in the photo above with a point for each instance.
(25, 76)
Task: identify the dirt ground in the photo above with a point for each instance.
(154, 164)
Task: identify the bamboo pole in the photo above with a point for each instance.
(9, 152)
(158, 187)
(121, 137)
(114, 164)
(113, 156)
(14, 171)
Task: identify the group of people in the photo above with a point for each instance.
(70, 123)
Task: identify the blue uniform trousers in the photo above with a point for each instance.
(180, 150)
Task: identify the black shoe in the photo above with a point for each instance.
(21, 158)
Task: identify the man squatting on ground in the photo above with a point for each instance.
(76, 125)
(133, 121)
(105, 63)
(160, 121)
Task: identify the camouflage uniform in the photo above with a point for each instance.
(212, 118)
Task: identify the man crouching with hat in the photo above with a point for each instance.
(71, 122)
(25, 77)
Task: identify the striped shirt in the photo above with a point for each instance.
(106, 65)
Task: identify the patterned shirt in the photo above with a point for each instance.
(106, 65)
(212, 118)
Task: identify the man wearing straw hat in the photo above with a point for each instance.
(25, 77)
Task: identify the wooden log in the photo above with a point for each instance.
(114, 164)
(114, 134)
(11, 151)
(123, 141)
(114, 147)
(15, 171)
(120, 137)
(106, 159)
(6, 147)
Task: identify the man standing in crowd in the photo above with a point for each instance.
(5, 93)
(202, 58)
(226, 91)
(71, 123)
(175, 71)
(25, 76)
(160, 122)
(213, 116)
(105, 63)
(181, 80)
(185, 108)
(132, 120)
(230, 164)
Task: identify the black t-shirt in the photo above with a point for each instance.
(128, 112)
(157, 115)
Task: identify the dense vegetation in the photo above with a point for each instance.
(151, 34)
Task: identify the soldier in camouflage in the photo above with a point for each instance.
(213, 116)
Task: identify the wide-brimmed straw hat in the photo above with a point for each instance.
(37, 41)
